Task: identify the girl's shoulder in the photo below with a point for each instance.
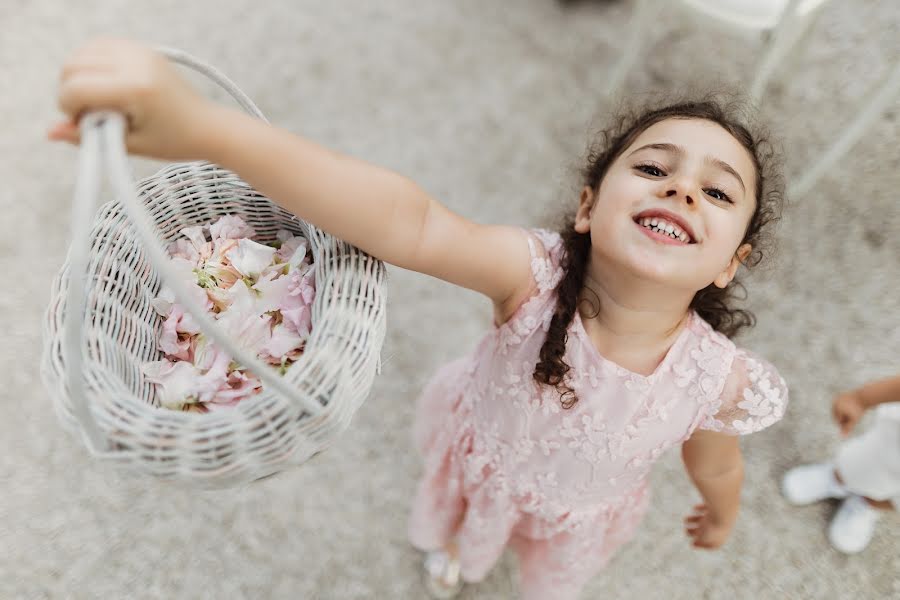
(546, 248)
(751, 393)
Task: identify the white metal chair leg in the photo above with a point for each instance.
(790, 61)
(787, 33)
(878, 100)
(637, 32)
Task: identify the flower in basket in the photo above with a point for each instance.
(260, 294)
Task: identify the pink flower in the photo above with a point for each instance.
(260, 296)
(207, 385)
(231, 227)
(177, 323)
(181, 382)
(239, 386)
(298, 320)
(293, 248)
(284, 341)
(195, 249)
(273, 291)
(219, 267)
(296, 307)
(220, 298)
(176, 381)
(243, 322)
(303, 285)
(186, 273)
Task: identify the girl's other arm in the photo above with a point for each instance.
(879, 392)
(848, 408)
(715, 465)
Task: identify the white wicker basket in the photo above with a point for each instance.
(100, 326)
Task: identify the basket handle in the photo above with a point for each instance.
(103, 141)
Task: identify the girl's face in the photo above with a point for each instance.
(674, 206)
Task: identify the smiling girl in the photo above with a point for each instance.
(611, 341)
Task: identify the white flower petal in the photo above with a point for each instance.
(250, 258)
(161, 306)
(176, 381)
(243, 322)
(282, 342)
(273, 292)
(231, 227)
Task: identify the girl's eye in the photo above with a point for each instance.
(651, 170)
(718, 194)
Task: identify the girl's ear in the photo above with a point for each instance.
(737, 260)
(585, 204)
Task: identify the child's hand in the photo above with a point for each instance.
(847, 409)
(166, 118)
(705, 530)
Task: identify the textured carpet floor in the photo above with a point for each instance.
(489, 106)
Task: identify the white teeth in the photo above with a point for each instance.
(662, 226)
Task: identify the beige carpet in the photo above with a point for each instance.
(488, 105)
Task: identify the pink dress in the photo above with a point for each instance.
(506, 464)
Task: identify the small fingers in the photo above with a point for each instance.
(96, 55)
(66, 131)
(694, 519)
(91, 90)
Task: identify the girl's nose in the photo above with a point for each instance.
(672, 192)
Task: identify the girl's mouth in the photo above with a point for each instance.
(664, 231)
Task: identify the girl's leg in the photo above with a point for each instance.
(557, 568)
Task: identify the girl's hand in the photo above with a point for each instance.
(847, 409)
(705, 530)
(167, 119)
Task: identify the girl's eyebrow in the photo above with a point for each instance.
(679, 151)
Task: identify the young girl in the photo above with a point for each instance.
(611, 338)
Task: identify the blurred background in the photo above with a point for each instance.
(489, 106)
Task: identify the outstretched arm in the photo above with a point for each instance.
(715, 465)
(377, 210)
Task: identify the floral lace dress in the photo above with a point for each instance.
(505, 464)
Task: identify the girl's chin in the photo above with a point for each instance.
(668, 275)
(676, 265)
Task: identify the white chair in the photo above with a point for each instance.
(785, 24)
(879, 98)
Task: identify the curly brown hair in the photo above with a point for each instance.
(713, 304)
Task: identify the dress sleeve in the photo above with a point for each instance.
(546, 249)
(755, 396)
